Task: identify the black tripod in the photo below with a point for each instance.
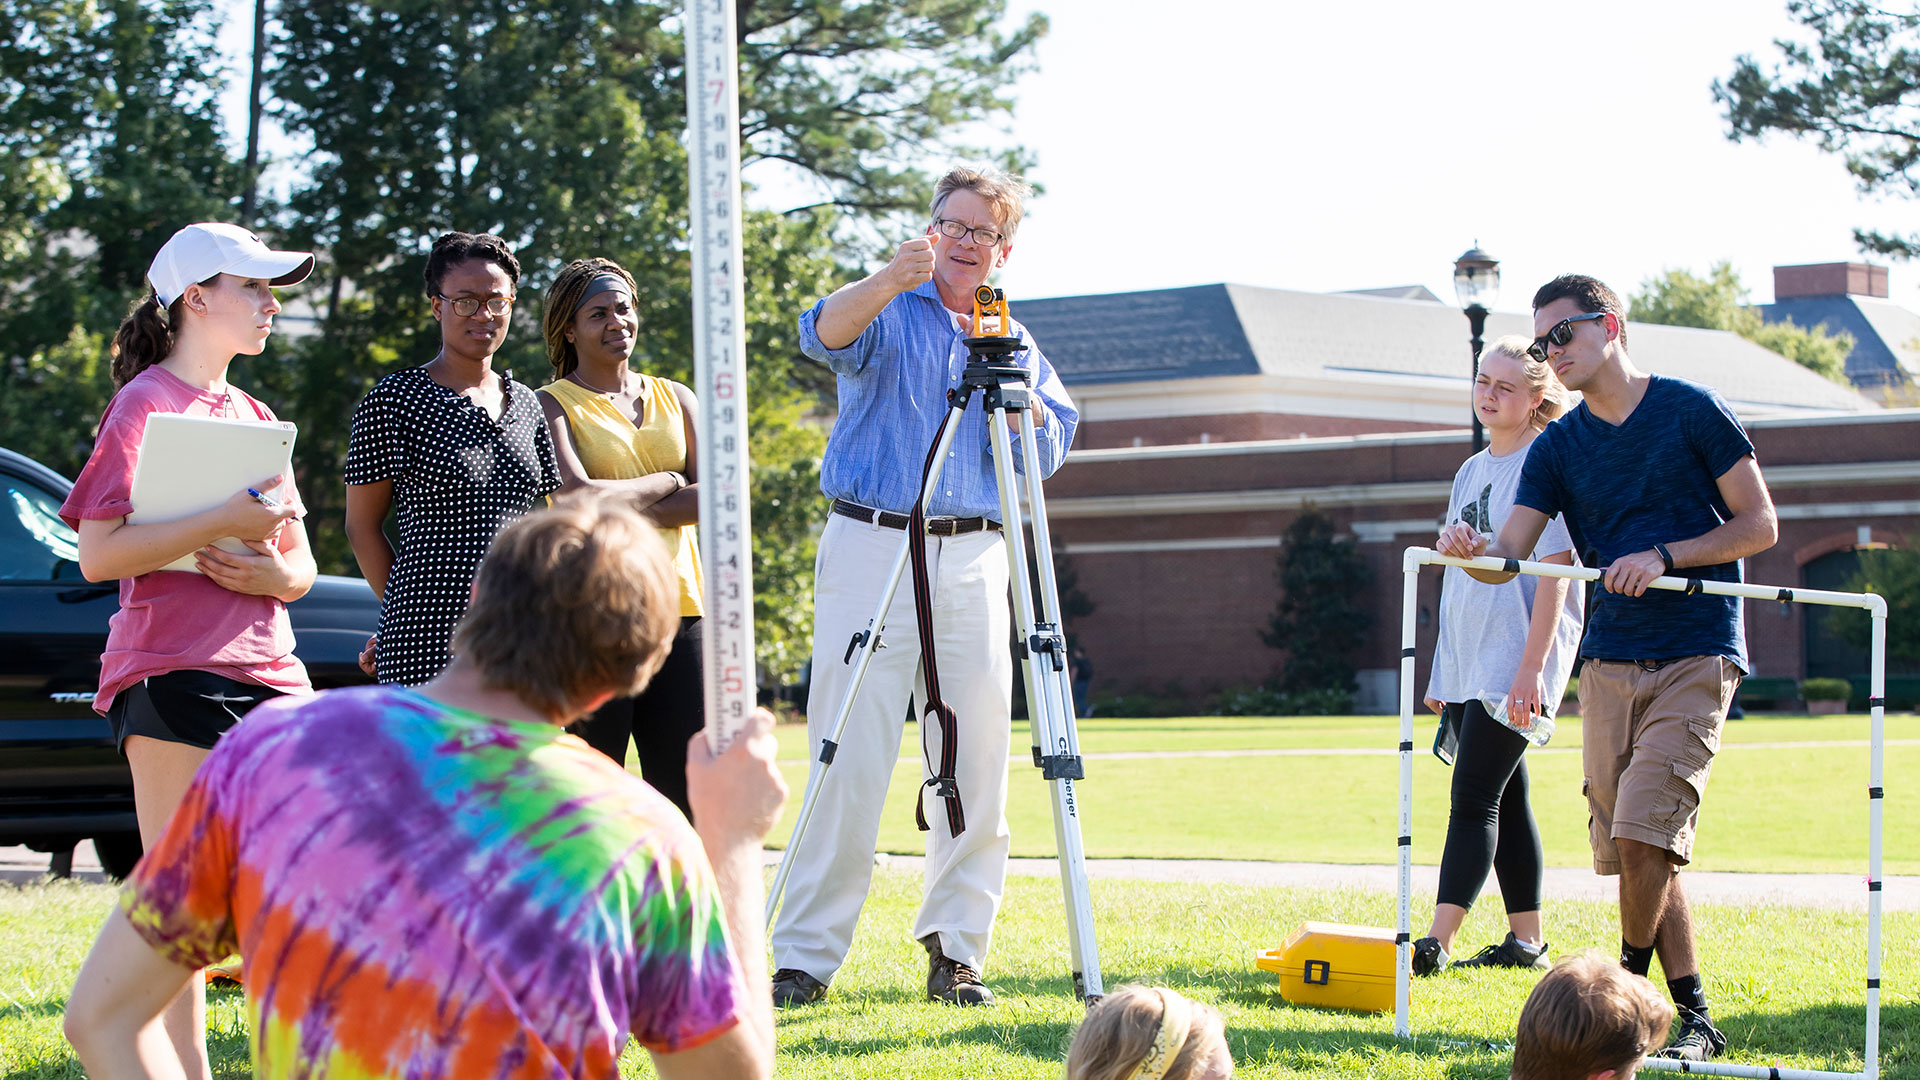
(1004, 388)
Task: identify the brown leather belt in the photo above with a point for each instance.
(936, 526)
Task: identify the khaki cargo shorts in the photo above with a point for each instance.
(1650, 735)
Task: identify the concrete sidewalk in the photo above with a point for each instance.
(1846, 892)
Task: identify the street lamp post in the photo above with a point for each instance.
(1476, 282)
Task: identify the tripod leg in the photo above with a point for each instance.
(1047, 696)
(860, 655)
(1066, 731)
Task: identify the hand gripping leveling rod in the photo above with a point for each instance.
(1004, 388)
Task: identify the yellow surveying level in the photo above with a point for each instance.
(990, 317)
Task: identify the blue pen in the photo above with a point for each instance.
(264, 500)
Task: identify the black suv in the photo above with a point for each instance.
(61, 781)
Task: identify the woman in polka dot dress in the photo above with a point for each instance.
(455, 450)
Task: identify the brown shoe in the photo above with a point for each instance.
(792, 986)
(950, 980)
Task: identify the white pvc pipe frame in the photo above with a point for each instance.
(1876, 608)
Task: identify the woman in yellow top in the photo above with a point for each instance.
(619, 430)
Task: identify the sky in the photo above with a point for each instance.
(1329, 146)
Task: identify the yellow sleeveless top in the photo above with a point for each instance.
(612, 448)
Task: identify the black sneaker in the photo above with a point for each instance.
(1429, 958)
(1698, 1040)
(791, 986)
(1511, 953)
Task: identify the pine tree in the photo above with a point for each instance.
(1320, 622)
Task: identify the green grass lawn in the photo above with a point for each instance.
(1786, 986)
(1788, 793)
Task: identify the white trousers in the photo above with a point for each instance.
(965, 876)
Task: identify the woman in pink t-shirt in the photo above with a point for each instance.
(189, 653)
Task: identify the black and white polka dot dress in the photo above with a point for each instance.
(459, 476)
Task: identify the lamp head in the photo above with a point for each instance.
(1476, 278)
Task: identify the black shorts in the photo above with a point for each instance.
(191, 707)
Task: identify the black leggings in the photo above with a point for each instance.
(1491, 824)
(659, 720)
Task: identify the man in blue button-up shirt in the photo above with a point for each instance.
(894, 339)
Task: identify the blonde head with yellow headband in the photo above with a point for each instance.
(1150, 1033)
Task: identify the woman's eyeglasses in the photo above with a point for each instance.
(1561, 333)
(468, 306)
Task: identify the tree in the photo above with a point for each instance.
(1895, 574)
(557, 124)
(1319, 622)
(858, 96)
(109, 142)
(1719, 302)
(1850, 90)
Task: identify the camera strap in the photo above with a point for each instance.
(943, 783)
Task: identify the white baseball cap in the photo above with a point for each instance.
(200, 251)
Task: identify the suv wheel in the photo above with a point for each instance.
(118, 852)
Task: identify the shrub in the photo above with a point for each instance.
(1267, 701)
(1172, 700)
(1826, 690)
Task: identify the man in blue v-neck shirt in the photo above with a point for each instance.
(894, 339)
(1654, 474)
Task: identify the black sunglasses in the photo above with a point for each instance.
(1561, 333)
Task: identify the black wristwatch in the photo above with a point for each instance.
(1665, 556)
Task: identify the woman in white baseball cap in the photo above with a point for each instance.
(189, 654)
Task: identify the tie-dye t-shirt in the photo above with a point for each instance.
(420, 891)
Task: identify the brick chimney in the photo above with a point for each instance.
(1829, 279)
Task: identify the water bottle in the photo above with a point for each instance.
(1525, 725)
(1496, 707)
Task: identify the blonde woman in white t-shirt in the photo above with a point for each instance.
(1502, 663)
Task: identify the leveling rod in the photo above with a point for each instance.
(720, 367)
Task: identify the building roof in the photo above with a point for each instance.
(1886, 336)
(1242, 330)
(1397, 292)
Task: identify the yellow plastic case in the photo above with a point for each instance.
(1335, 966)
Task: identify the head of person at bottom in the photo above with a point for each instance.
(1150, 1033)
(1589, 1019)
(597, 581)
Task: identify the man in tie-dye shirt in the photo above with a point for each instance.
(442, 883)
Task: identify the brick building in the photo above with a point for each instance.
(1211, 415)
(1851, 298)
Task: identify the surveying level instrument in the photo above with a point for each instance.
(1004, 386)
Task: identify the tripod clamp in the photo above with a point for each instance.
(1002, 382)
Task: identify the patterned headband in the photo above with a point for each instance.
(1169, 1040)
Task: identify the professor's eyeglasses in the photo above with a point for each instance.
(959, 230)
